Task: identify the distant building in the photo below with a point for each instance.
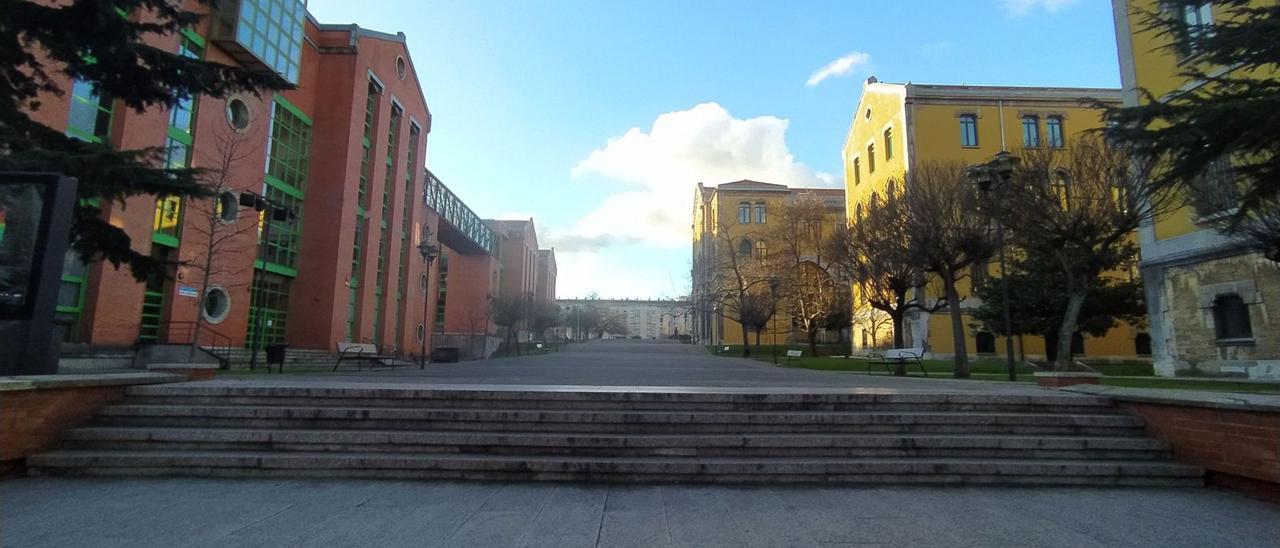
(647, 319)
(736, 218)
(546, 285)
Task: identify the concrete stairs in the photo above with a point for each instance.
(378, 432)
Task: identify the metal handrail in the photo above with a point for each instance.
(211, 341)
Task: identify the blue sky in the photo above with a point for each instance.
(598, 118)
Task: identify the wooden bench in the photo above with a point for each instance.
(899, 357)
(362, 353)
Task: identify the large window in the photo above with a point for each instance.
(745, 247)
(1196, 19)
(263, 32)
(744, 213)
(762, 250)
(761, 213)
(1053, 132)
(90, 115)
(888, 144)
(968, 130)
(1031, 131)
(1216, 193)
(857, 171)
(1231, 318)
(871, 158)
(286, 181)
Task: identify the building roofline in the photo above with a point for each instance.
(358, 32)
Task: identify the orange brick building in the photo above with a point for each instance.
(343, 153)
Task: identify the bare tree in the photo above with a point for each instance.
(1081, 206)
(542, 316)
(948, 236)
(879, 254)
(509, 311)
(215, 221)
(476, 321)
(802, 240)
(757, 310)
(613, 323)
(737, 273)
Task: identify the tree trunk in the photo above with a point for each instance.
(758, 338)
(1067, 330)
(957, 328)
(746, 347)
(813, 342)
(899, 336)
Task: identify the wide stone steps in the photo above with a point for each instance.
(503, 420)
(378, 430)
(666, 469)
(645, 445)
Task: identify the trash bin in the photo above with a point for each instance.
(275, 355)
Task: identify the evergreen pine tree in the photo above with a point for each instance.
(106, 43)
(1230, 114)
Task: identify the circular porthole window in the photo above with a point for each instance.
(402, 68)
(217, 304)
(422, 332)
(238, 114)
(227, 208)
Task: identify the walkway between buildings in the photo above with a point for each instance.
(625, 364)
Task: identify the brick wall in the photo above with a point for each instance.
(31, 420)
(1232, 445)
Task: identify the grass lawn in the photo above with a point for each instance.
(1118, 374)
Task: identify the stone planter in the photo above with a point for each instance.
(1056, 379)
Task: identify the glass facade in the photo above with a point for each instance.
(266, 33)
(384, 226)
(357, 247)
(179, 142)
(271, 305)
(442, 290)
(406, 226)
(284, 183)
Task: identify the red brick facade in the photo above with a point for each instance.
(337, 64)
(32, 419)
(1232, 445)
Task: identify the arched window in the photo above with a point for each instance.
(1231, 318)
(968, 130)
(1031, 131)
(858, 215)
(744, 213)
(762, 250)
(744, 247)
(1061, 187)
(891, 191)
(760, 213)
(1053, 132)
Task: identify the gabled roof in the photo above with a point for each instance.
(747, 184)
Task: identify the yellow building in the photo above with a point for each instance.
(737, 222)
(899, 126)
(1206, 294)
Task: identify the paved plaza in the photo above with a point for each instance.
(628, 363)
(170, 513)
(174, 512)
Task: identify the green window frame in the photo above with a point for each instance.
(91, 114)
(270, 300)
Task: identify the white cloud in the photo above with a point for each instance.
(839, 67)
(1020, 8)
(663, 166)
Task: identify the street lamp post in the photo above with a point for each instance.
(429, 252)
(1000, 170)
(773, 316)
